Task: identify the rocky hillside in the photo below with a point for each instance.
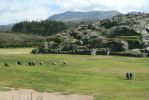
(122, 34)
(79, 16)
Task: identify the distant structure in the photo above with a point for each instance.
(108, 52)
(93, 52)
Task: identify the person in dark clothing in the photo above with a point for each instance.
(129, 76)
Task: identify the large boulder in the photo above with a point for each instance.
(144, 31)
(122, 31)
(147, 29)
(44, 48)
(77, 34)
(93, 34)
(98, 42)
(147, 50)
(145, 40)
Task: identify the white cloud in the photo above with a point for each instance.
(12, 11)
(15, 10)
(120, 5)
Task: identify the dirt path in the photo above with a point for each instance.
(28, 94)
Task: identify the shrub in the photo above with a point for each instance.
(35, 51)
(119, 45)
(135, 53)
(44, 48)
(145, 40)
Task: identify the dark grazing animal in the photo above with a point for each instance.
(29, 63)
(18, 63)
(54, 63)
(32, 63)
(65, 63)
(6, 65)
(41, 63)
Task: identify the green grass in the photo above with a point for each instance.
(14, 51)
(13, 40)
(100, 76)
(129, 37)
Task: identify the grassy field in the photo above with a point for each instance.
(15, 51)
(100, 76)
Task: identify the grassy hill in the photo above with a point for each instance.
(100, 76)
(19, 40)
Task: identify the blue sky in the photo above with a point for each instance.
(12, 11)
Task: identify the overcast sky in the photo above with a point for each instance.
(12, 11)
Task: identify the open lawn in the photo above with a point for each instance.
(100, 76)
(14, 51)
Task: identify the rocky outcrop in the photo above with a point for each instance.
(145, 40)
(121, 33)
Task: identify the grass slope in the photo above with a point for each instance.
(100, 76)
(8, 40)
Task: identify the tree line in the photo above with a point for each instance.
(44, 28)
